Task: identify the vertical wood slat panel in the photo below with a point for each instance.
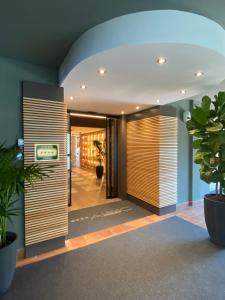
(46, 215)
(152, 160)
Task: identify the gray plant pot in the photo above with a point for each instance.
(7, 263)
(214, 218)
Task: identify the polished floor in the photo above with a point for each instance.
(87, 190)
(194, 214)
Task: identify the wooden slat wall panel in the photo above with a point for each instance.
(143, 142)
(152, 160)
(46, 215)
(168, 161)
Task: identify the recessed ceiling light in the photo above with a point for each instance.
(122, 112)
(161, 60)
(101, 71)
(157, 100)
(83, 86)
(71, 97)
(183, 92)
(199, 74)
(87, 116)
(137, 107)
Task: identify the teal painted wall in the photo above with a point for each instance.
(183, 153)
(12, 73)
(200, 188)
(189, 183)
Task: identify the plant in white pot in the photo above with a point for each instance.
(207, 125)
(13, 175)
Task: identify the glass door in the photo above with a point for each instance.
(111, 158)
(68, 147)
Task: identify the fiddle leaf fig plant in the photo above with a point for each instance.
(207, 126)
(13, 175)
(100, 146)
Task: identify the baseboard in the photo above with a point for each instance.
(20, 254)
(156, 210)
(46, 246)
(183, 205)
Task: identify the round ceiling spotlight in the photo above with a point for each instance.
(83, 86)
(161, 60)
(122, 112)
(157, 100)
(101, 71)
(199, 74)
(183, 92)
(137, 107)
(71, 97)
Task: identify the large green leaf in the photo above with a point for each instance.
(214, 162)
(206, 176)
(198, 157)
(194, 131)
(192, 124)
(217, 176)
(216, 128)
(206, 102)
(196, 143)
(222, 116)
(215, 103)
(221, 98)
(214, 143)
(222, 155)
(199, 115)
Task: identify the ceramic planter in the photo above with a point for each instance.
(215, 219)
(7, 263)
(99, 171)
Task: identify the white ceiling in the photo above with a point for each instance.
(134, 78)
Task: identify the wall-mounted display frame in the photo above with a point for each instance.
(46, 152)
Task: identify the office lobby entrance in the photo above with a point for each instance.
(103, 117)
(88, 155)
(91, 173)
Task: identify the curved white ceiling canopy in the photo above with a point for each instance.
(128, 48)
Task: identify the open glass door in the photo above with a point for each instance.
(68, 147)
(111, 158)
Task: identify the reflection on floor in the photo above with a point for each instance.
(87, 190)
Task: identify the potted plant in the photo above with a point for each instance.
(13, 174)
(207, 125)
(100, 156)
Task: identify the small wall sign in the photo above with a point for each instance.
(46, 152)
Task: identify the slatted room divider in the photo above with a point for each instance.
(46, 216)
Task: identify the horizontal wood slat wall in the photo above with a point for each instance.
(143, 142)
(152, 160)
(46, 215)
(168, 161)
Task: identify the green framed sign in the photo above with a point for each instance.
(46, 152)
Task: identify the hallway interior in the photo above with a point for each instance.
(87, 190)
